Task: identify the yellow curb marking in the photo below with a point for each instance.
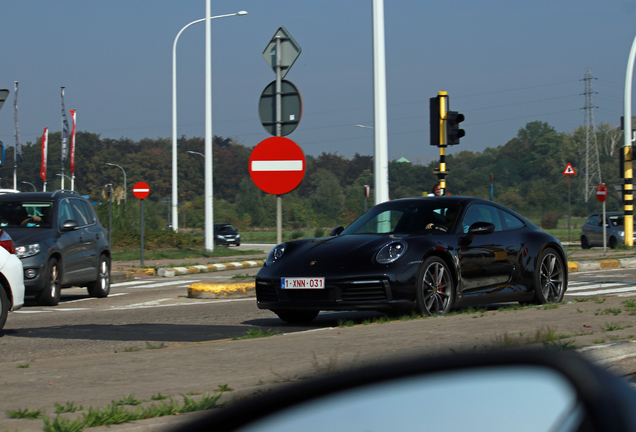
(573, 267)
(610, 264)
(202, 289)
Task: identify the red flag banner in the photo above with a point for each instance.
(72, 149)
(45, 143)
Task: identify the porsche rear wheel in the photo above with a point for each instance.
(435, 287)
(549, 278)
(297, 316)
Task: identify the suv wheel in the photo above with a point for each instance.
(101, 287)
(612, 242)
(50, 295)
(584, 243)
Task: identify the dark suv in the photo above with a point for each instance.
(225, 235)
(60, 242)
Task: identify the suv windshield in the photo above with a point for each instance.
(18, 214)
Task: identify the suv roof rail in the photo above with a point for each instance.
(64, 191)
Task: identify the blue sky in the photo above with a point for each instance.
(503, 63)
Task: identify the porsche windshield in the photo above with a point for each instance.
(425, 217)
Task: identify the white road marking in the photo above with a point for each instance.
(584, 288)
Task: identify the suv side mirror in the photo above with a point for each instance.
(70, 225)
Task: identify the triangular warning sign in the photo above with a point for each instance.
(569, 170)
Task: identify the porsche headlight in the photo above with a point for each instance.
(391, 252)
(27, 250)
(275, 254)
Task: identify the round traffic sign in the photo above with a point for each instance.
(277, 165)
(291, 109)
(141, 190)
(601, 192)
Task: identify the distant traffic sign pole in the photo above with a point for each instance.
(567, 172)
(601, 195)
(141, 191)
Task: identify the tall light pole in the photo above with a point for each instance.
(122, 170)
(196, 153)
(381, 160)
(175, 203)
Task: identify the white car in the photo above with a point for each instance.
(11, 278)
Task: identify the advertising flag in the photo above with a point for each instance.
(64, 130)
(72, 150)
(45, 144)
(18, 147)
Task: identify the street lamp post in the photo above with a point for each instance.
(32, 185)
(196, 153)
(175, 203)
(62, 178)
(122, 170)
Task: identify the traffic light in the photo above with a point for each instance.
(453, 132)
(435, 120)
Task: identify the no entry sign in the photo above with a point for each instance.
(141, 190)
(277, 165)
(601, 192)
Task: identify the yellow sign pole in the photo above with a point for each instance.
(628, 196)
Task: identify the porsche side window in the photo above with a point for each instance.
(481, 213)
(512, 222)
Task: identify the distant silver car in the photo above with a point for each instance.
(592, 230)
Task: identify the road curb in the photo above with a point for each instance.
(186, 270)
(604, 264)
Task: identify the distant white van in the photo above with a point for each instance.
(6, 191)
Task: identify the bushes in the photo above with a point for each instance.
(550, 221)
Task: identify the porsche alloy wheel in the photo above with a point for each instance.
(435, 287)
(549, 278)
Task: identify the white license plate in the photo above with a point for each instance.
(302, 283)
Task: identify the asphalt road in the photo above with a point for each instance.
(155, 312)
(151, 312)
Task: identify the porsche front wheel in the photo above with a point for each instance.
(435, 287)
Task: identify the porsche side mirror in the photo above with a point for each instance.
(336, 231)
(481, 228)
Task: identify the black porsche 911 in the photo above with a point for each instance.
(431, 254)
